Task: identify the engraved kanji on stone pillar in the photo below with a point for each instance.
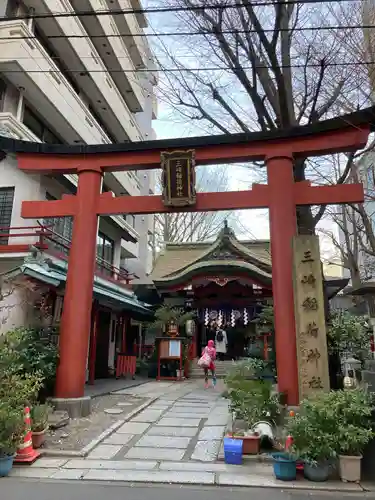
(311, 342)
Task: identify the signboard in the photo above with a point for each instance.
(178, 180)
(311, 339)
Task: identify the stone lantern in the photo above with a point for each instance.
(351, 368)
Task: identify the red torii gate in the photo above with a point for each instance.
(281, 195)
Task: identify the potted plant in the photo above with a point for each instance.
(284, 466)
(313, 431)
(11, 433)
(251, 401)
(354, 430)
(39, 424)
(168, 320)
(141, 368)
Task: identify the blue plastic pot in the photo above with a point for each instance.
(284, 467)
(6, 464)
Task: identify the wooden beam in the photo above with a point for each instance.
(305, 194)
(257, 197)
(313, 145)
(48, 209)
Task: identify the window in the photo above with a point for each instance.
(6, 208)
(61, 226)
(130, 219)
(39, 128)
(105, 251)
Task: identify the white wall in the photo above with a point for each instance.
(27, 187)
(15, 311)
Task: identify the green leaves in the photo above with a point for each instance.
(347, 332)
(24, 351)
(11, 428)
(338, 422)
(39, 417)
(165, 315)
(251, 400)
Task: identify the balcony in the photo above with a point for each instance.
(141, 18)
(90, 73)
(28, 66)
(20, 240)
(16, 129)
(113, 51)
(137, 46)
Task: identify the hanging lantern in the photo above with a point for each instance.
(245, 317)
(190, 327)
(206, 317)
(220, 319)
(232, 319)
(172, 329)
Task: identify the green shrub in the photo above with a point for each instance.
(349, 333)
(39, 417)
(353, 410)
(24, 351)
(252, 400)
(328, 424)
(19, 391)
(11, 429)
(313, 430)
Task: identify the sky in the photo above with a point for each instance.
(253, 224)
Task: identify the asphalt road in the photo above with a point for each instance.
(16, 489)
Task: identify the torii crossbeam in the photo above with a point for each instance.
(281, 195)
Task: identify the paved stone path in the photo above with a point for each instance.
(186, 423)
(176, 439)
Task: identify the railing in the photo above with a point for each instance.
(46, 239)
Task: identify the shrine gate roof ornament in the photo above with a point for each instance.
(365, 117)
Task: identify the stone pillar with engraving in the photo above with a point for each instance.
(312, 355)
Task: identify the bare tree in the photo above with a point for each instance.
(355, 240)
(268, 67)
(195, 226)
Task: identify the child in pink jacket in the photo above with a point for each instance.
(211, 352)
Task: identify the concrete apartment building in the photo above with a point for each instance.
(365, 166)
(73, 80)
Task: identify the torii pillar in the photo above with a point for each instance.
(281, 195)
(283, 227)
(76, 316)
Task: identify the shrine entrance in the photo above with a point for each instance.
(281, 195)
(226, 283)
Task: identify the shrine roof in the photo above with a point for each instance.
(53, 271)
(226, 252)
(363, 117)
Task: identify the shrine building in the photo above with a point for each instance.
(226, 282)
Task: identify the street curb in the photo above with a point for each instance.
(354, 489)
(115, 393)
(82, 453)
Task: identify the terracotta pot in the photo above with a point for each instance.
(38, 438)
(350, 468)
(251, 444)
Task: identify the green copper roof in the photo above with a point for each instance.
(54, 272)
